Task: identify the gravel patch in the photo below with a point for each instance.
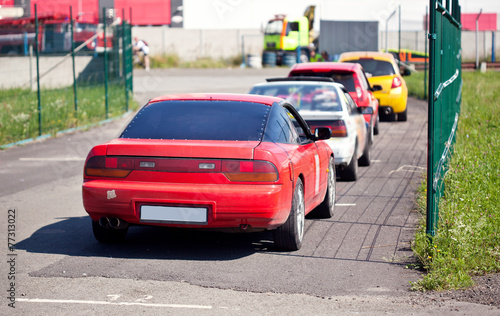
(486, 291)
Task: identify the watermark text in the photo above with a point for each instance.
(11, 258)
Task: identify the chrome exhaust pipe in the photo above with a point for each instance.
(387, 111)
(117, 223)
(104, 222)
(244, 227)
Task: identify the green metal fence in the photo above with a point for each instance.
(74, 83)
(445, 96)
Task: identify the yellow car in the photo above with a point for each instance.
(382, 70)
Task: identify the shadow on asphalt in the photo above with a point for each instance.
(74, 237)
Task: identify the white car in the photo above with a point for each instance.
(322, 102)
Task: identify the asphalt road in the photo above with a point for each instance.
(355, 262)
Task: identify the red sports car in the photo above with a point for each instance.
(242, 162)
(354, 79)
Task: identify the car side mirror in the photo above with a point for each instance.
(365, 110)
(377, 87)
(406, 72)
(322, 133)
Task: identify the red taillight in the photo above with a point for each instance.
(249, 171)
(357, 84)
(396, 82)
(114, 167)
(338, 128)
(359, 93)
(234, 170)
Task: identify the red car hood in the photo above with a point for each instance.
(182, 148)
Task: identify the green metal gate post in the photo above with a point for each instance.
(431, 207)
(445, 91)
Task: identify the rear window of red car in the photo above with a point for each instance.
(199, 120)
(345, 78)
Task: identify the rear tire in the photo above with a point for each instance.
(365, 160)
(388, 117)
(403, 116)
(375, 129)
(289, 235)
(327, 207)
(108, 234)
(350, 172)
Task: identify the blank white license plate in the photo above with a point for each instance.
(174, 214)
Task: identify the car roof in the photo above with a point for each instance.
(337, 85)
(363, 54)
(326, 66)
(267, 100)
(300, 82)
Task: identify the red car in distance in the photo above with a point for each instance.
(353, 77)
(223, 161)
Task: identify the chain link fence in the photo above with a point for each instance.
(71, 75)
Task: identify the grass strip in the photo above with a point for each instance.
(19, 110)
(467, 242)
(415, 84)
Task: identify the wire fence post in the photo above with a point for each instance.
(73, 58)
(243, 61)
(125, 47)
(477, 45)
(399, 35)
(386, 29)
(106, 95)
(493, 46)
(426, 55)
(38, 74)
(25, 43)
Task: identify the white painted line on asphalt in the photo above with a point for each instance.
(41, 300)
(408, 168)
(344, 204)
(376, 160)
(53, 159)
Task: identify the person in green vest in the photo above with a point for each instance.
(315, 57)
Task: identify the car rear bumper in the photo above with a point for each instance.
(343, 149)
(395, 100)
(227, 206)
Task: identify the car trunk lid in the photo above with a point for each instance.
(182, 148)
(384, 81)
